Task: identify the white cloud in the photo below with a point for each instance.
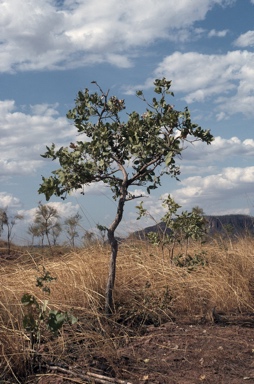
(25, 136)
(139, 193)
(210, 191)
(9, 201)
(10, 168)
(214, 33)
(219, 150)
(204, 69)
(44, 109)
(98, 188)
(226, 79)
(43, 35)
(245, 40)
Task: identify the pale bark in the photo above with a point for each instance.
(114, 249)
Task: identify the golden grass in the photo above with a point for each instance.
(149, 290)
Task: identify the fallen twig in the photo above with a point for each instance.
(100, 379)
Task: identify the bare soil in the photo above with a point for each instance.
(171, 353)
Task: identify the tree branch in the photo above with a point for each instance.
(133, 197)
(100, 379)
(143, 171)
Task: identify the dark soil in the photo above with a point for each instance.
(171, 353)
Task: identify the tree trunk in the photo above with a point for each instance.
(112, 273)
(9, 242)
(47, 235)
(114, 249)
(114, 244)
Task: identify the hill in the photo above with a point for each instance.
(224, 224)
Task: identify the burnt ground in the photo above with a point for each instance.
(172, 353)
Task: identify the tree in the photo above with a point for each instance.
(9, 221)
(189, 225)
(198, 210)
(3, 219)
(45, 222)
(72, 224)
(122, 153)
(35, 231)
(88, 238)
(178, 228)
(56, 231)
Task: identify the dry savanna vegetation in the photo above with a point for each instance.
(150, 291)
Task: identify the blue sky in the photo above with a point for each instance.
(51, 49)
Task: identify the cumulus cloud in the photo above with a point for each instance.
(93, 189)
(9, 201)
(53, 35)
(245, 40)
(227, 80)
(219, 150)
(24, 136)
(139, 193)
(209, 191)
(229, 190)
(214, 33)
(204, 69)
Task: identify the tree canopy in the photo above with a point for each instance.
(111, 144)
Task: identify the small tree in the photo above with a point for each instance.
(178, 227)
(189, 225)
(8, 220)
(56, 231)
(3, 219)
(72, 223)
(198, 210)
(121, 153)
(45, 221)
(88, 238)
(36, 230)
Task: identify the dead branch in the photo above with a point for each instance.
(100, 379)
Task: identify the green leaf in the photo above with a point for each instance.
(168, 158)
(158, 90)
(28, 299)
(56, 320)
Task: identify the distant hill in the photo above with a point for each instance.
(235, 224)
(227, 224)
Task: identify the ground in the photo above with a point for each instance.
(171, 353)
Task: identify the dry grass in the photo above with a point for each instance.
(149, 290)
